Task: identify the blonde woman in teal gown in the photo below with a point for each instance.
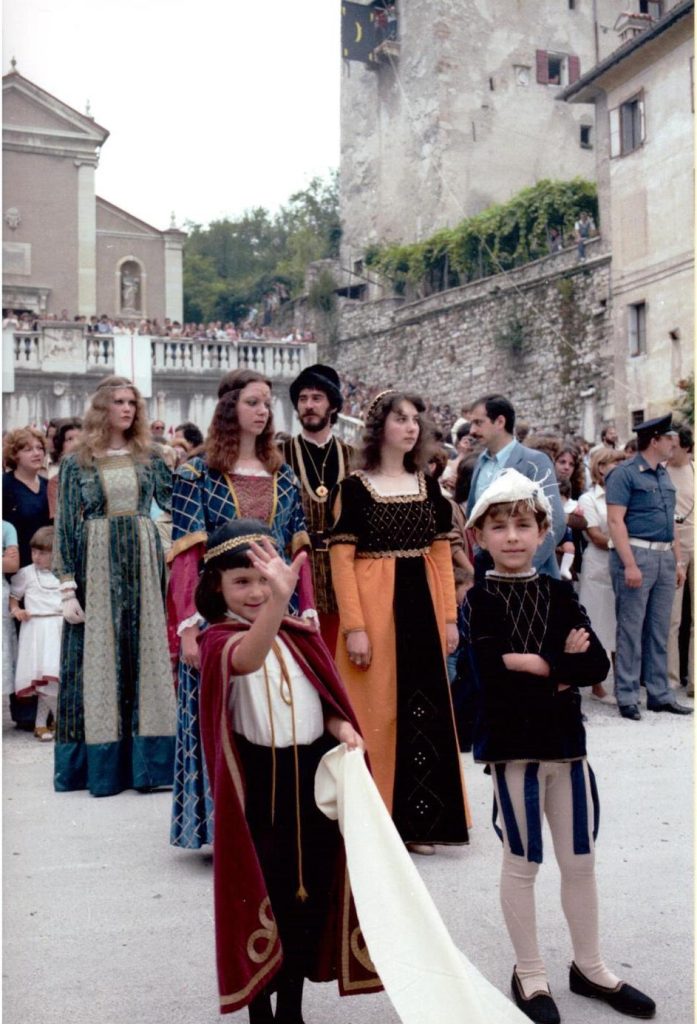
(116, 704)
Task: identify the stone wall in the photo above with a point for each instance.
(463, 117)
(540, 334)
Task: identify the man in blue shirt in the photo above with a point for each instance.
(492, 421)
(645, 567)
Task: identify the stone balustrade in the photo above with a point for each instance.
(278, 360)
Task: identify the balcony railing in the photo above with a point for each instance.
(274, 358)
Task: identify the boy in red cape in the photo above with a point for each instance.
(271, 705)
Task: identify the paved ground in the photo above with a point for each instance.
(104, 922)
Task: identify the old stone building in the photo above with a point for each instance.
(66, 250)
(643, 95)
(459, 111)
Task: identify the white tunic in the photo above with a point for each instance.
(38, 654)
(251, 701)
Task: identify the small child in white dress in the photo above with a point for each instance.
(38, 654)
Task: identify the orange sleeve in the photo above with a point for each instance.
(342, 557)
(442, 557)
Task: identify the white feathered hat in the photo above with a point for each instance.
(511, 486)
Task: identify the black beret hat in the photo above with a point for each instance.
(323, 378)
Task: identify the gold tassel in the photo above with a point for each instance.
(301, 893)
(273, 747)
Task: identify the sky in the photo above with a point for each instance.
(213, 106)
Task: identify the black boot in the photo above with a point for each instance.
(260, 1011)
(290, 998)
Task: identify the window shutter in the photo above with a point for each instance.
(642, 119)
(615, 132)
(574, 69)
(632, 332)
(542, 67)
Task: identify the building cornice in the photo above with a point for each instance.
(587, 88)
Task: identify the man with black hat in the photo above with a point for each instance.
(320, 461)
(645, 566)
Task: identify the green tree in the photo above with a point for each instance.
(232, 263)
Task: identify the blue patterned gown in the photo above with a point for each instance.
(203, 500)
(116, 705)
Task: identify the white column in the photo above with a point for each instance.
(174, 279)
(86, 241)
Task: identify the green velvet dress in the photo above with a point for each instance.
(116, 704)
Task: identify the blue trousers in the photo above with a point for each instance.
(643, 625)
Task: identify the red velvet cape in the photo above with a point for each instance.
(248, 947)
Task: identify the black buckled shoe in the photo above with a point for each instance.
(623, 998)
(539, 1007)
(630, 711)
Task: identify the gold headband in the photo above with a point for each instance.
(236, 542)
(378, 398)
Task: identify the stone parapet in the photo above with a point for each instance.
(540, 334)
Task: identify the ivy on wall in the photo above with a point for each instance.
(499, 238)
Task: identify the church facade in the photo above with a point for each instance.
(66, 251)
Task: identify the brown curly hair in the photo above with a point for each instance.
(96, 432)
(15, 440)
(550, 444)
(374, 432)
(223, 441)
(578, 476)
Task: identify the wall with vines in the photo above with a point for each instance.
(499, 238)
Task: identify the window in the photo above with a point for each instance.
(627, 126)
(584, 136)
(636, 328)
(522, 74)
(637, 418)
(572, 5)
(557, 68)
(652, 7)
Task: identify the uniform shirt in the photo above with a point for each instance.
(647, 494)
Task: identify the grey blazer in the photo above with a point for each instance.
(535, 466)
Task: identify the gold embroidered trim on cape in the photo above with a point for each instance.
(184, 543)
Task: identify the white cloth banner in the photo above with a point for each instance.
(427, 978)
(133, 359)
(8, 361)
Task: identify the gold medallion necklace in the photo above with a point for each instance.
(322, 490)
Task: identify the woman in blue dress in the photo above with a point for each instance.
(116, 705)
(238, 474)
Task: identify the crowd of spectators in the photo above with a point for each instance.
(358, 395)
(213, 330)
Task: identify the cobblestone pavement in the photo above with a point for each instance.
(105, 922)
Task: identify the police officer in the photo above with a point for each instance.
(645, 567)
